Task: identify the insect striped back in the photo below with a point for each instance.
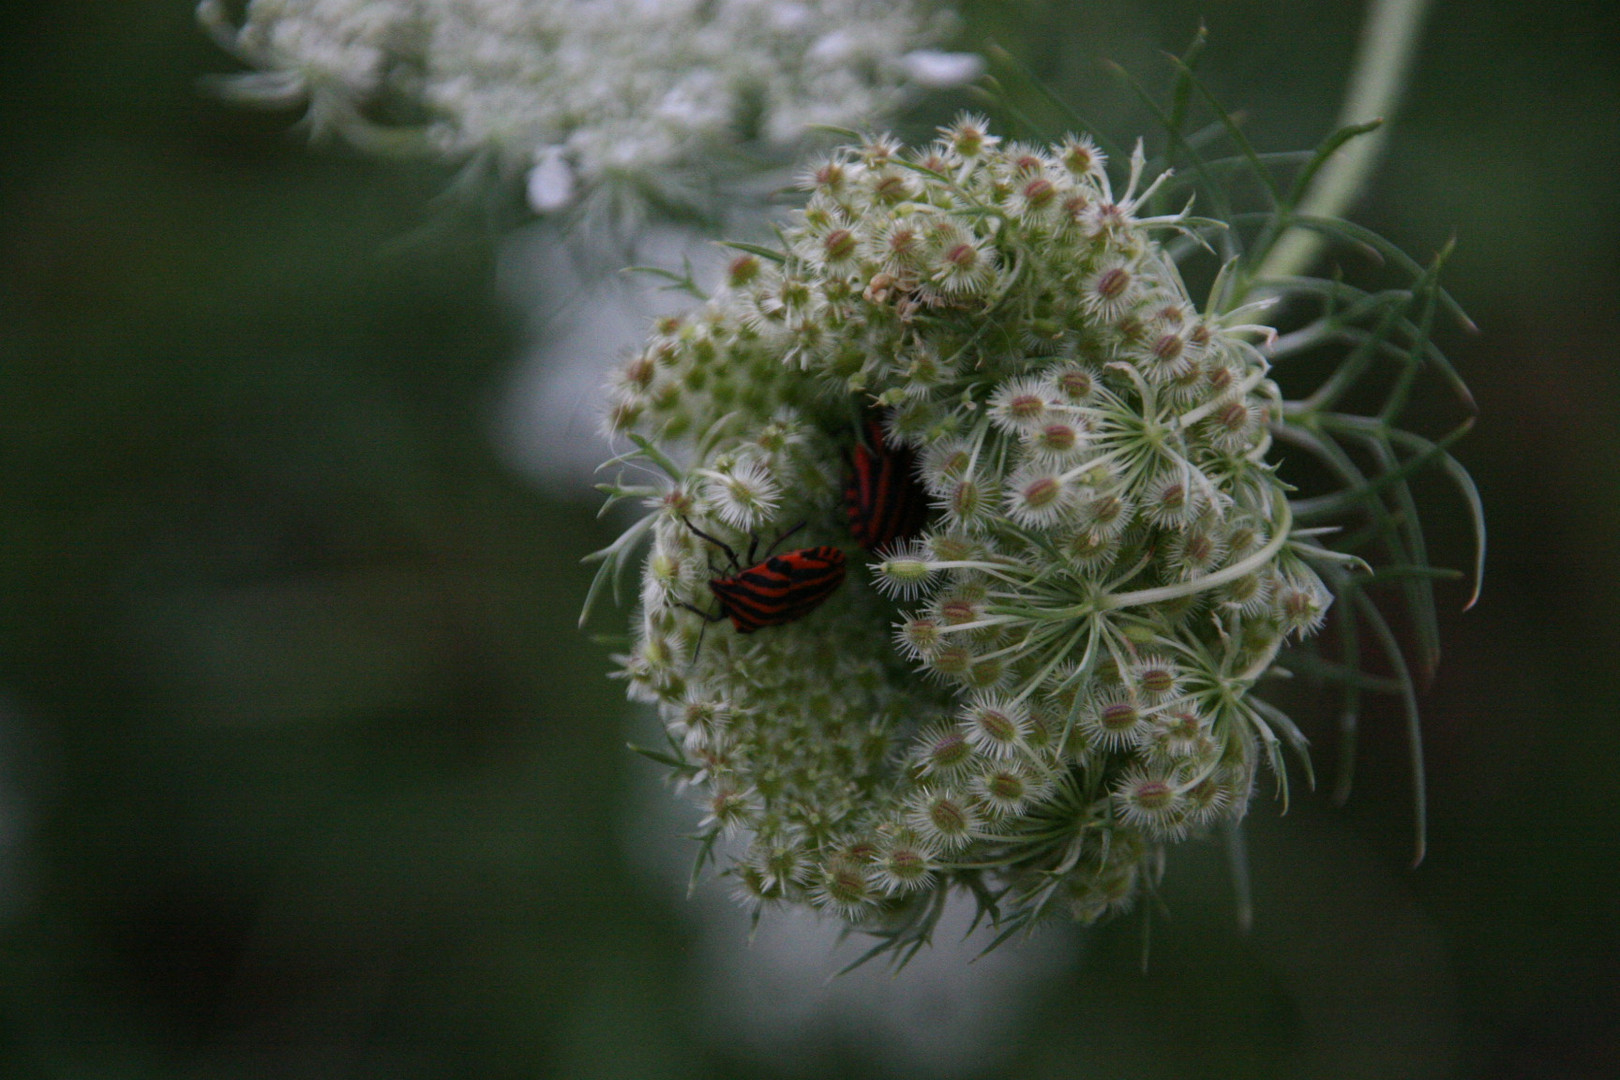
(782, 588)
(883, 497)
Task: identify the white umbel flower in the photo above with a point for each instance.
(583, 94)
(1045, 674)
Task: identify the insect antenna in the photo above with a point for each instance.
(777, 542)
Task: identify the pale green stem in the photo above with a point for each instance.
(1254, 379)
(982, 624)
(1249, 565)
(1383, 60)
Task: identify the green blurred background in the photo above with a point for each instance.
(306, 772)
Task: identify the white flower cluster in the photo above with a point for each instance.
(977, 362)
(582, 93)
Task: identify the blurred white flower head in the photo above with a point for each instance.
(628, 97)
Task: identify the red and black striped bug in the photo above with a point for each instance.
(883, 497)
(778, 590)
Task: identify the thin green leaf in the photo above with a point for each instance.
(1261, 173)
(755, 249)
(1419, 591)
(1205, 136)
(680, 282)
(1399, 573)
(993, 94)
(1349, 629)
(1279, 223)
(1391, 309)
(1379, 439)
(651, 452)
(847, 134)
(1324, 150)
(899, 945)
(1216, 191)
(1181, 91)
(1237, 861)
(603, 574)
(984, 900)
(613, 559)
(1414, 727)
(1346, 674)
(1002, 57)
(1322, 445)
(1395, 403)
(1268, 157)
(1476, 508)
(1322, 507)
(1297, 741)
(1021, 922)
(668, 760)
(1272, 745)
(1325, 332)
(706, 842)
(923, 170)
(1347, 230)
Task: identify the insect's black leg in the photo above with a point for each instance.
(721, 544)
(700, 613)
(697, 650)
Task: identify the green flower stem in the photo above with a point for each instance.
(1192, 416)
(1379, 78)
(1283, 522)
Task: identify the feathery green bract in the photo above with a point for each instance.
(1385, 344)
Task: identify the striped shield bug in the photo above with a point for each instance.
(882, 496)
(778, 590)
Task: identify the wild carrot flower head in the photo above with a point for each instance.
(1051, 679)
